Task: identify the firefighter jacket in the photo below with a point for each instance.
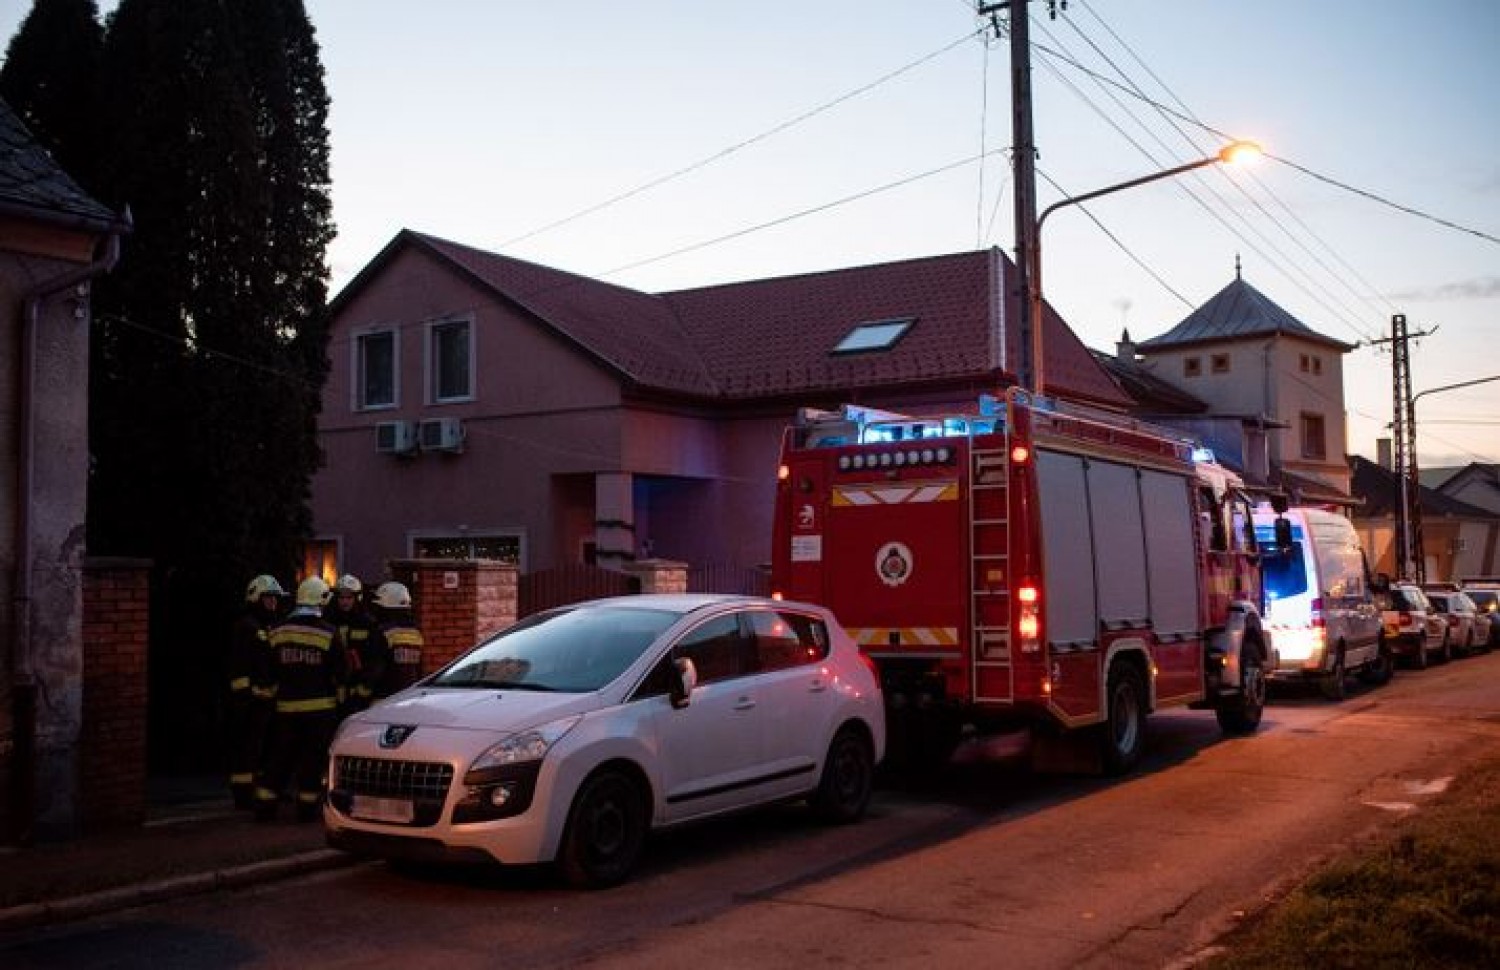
(305, 664)
(354, 629)
(399, 644)
(247, 646)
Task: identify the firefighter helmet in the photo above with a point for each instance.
(348, 583)
(263, 585)
(313, 592)
(393, 596)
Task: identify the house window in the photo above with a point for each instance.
(320, 557)
(498, 546)
(1219, 363)
(1192, 366)
(1313, 444)
(874, 335)
(1304, 363)
(375, 370)
(450, 353)
(1317, 366)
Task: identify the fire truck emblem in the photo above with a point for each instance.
(806, 517)
(893, 563)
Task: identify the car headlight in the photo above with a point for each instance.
(525, 746)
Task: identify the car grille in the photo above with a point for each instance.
(418, 780)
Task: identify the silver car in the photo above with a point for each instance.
(569, 736)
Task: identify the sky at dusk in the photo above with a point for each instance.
(663, 144)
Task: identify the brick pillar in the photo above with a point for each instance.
(659, 575)
(457, 602)
(112, 759)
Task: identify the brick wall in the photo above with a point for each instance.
(457, 603)
(112, 759)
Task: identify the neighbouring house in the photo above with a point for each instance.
(54, 239)
(1477, 483)
(479, 406)
(1262, 389)
(1459, 538)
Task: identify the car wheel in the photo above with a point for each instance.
(1242, 714)
(1382, 668)
(1419, 658)
(1334, 685)
(1123, 732)
(605, 833)
(848, 778)
(1445, 654)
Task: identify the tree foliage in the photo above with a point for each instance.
(210, 337)
(51, 81)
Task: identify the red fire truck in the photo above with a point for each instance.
(1026, 565)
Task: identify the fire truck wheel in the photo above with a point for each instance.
(1241, 714)
(1124, 729)
(848, 778)
(1333, 685)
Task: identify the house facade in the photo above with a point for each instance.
(54, 239)
(480, 406)
(1460, 538)
(1271, 388)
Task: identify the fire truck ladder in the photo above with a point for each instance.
(989, 575)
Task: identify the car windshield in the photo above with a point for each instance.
(571, 650)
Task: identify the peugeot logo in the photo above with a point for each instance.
(395, 735)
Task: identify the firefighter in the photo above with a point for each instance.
(398, 644)
(349, 617)
(249, 713)
(304, 666)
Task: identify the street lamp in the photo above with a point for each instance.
(1031, 369)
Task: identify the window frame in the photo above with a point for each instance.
(435, 359)
(1307, 420)
(1219, 363)
(358, 368)
(1192, 366)
(897, 327)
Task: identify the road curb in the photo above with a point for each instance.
(31, 915)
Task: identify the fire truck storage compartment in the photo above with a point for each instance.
(1119, 556)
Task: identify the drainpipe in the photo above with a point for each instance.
(24, 687)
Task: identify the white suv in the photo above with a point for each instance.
(570, 735)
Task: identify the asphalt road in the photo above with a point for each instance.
(983, 866)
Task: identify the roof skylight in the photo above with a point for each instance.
(874, 335)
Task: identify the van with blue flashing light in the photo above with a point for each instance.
(1319, 608)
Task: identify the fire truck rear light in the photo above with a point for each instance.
(944, 456)
(928, 456)
(900, 458)
(777, 595)
(1027, 594)
(783, 473)
(1029, 626)
(1046, 686)
(844, 462)
(1020, 455)
(913, 457)
(885, 460)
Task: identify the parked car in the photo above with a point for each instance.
(1414, 630)
(570, 735)
(1464, 623)
(1319, 610)
(1486, 597)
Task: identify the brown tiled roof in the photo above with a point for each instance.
(1238, 311)
(1151, 394)
(774, 338)
(34, 185)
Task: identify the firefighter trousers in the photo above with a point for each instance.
(298, 755)
(247, 720)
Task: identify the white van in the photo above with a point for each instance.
(1319, 609)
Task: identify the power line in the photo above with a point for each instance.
(738, 146)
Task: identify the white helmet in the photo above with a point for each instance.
(263, 585)
(313, 592)
(393, 596)
(348, 583)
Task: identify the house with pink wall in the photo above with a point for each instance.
(480, 406)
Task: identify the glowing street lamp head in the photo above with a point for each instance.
(1240, 152)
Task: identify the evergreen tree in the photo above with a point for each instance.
(212, 339)
(50, 80)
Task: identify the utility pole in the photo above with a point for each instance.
(1410, 563)
(1023, 165)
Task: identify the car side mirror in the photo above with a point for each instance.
(684, 681)
(1283, 533)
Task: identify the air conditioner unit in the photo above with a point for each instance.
(396, 437)
(442, 434)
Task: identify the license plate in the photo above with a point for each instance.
(382, 809)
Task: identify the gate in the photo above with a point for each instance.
(729, 578)
(568, 584)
